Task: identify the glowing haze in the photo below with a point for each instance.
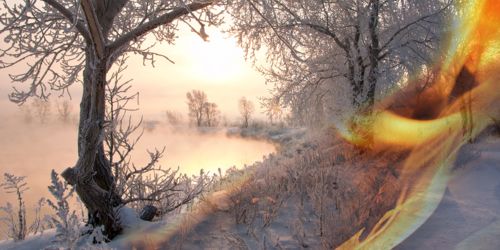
(217, 67)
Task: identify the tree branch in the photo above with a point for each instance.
(318, 28)
(166, 18)
(327, 32)
(410, 24)
(94, 27)
(66, 13)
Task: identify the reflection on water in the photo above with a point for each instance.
(192, 150)
(33, 150)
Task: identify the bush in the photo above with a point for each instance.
(16, 221)
(65, 221)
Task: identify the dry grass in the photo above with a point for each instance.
(345, 188)
(315, 193)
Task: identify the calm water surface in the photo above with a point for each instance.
(33, 150)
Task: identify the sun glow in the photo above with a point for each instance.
(217, 60)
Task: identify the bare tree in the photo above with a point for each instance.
(211, 114)
(64, 109)
(312, 46)
(41, 108)
(273, 111)
(62, 39)
(173, 118)
(196, 102)
(202, 112)
(246, 110)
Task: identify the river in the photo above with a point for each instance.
(33, 150)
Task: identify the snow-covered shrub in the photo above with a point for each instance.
(166, 189)
(65, 220)
(149, 184)
(15, 221)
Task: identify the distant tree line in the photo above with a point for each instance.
(40, 110)
(201, 111)
(205, 113)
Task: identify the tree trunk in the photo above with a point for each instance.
(373, 70)
(92, 175)
(374, 51)
(364, 91)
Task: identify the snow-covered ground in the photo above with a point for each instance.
(467, 218)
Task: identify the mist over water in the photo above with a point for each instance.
(34, 149)
(192, 150)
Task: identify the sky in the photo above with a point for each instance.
(217, 67)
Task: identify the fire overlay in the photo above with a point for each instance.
(433, 119)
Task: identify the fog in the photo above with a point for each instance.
(34, 149)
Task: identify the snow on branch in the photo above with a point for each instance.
(94, 27)
(148, 184)
(154, 23)
(53, 38)
(17, 228)
(67, 224)
(41, 36)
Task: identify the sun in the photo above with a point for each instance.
(217, 60)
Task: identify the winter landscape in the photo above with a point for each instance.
(249, 124)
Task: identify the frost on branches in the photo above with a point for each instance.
(62, 42)
(324, 55)
(67, 224)
(15, 219)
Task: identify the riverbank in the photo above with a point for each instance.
(318, 194)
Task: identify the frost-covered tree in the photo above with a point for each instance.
(196, 102)
(211, 114)
(274, 111)
(63, 42)
(315, 47)
(201, 111)
(246, 110)
(149, 189)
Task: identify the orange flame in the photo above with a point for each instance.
(435, 121)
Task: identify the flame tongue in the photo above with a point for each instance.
(435, 122)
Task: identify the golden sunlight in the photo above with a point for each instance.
(217, 67)
(217, 60)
